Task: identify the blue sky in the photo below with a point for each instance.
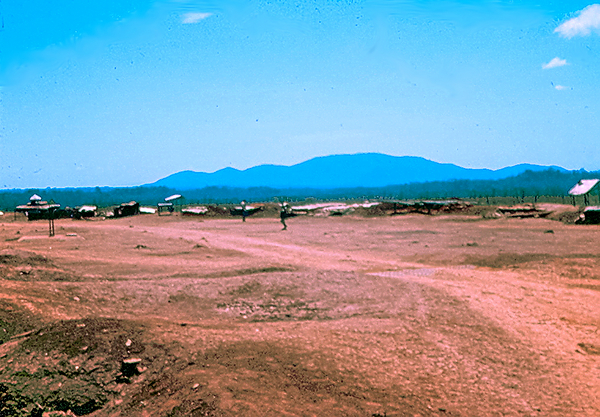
(126, 92)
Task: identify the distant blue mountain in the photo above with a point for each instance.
(341, 171)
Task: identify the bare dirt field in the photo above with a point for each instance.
(409, 315)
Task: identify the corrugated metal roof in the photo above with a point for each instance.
(583, 187)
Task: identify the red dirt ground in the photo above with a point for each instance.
(337, 316)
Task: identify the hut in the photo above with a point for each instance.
(584, 188)
(37, 208)
(168, 206)
(84, 212)
(127, 209)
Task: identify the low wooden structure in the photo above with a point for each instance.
(165, 209)
(38, 209)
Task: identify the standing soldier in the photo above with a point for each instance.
(284, 213)
(244, 211)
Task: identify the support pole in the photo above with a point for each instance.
(50, 223)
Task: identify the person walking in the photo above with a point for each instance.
(283, 214)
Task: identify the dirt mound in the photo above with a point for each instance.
(569, 217)
(20, 265)
(14, 321)
(13, 257)
(76, 365)
(381, 209)
(217, 211)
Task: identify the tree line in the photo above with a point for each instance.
(547, 185)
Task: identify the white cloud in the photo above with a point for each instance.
(192, 17)
(561, 87)
(555, 62)
(588, 19)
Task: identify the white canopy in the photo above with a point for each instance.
(173, 197)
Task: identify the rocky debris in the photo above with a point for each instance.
(522, 211)
(280, 309)
(76, 365)
(590, 215)
(560, 212)
(96, 365)
(194, 211)
(430, 207)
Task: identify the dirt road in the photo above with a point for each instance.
(337, 316)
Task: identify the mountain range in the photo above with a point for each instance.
(341, 171)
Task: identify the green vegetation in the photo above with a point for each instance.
(548, 186)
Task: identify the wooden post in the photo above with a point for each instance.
(50, 223)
